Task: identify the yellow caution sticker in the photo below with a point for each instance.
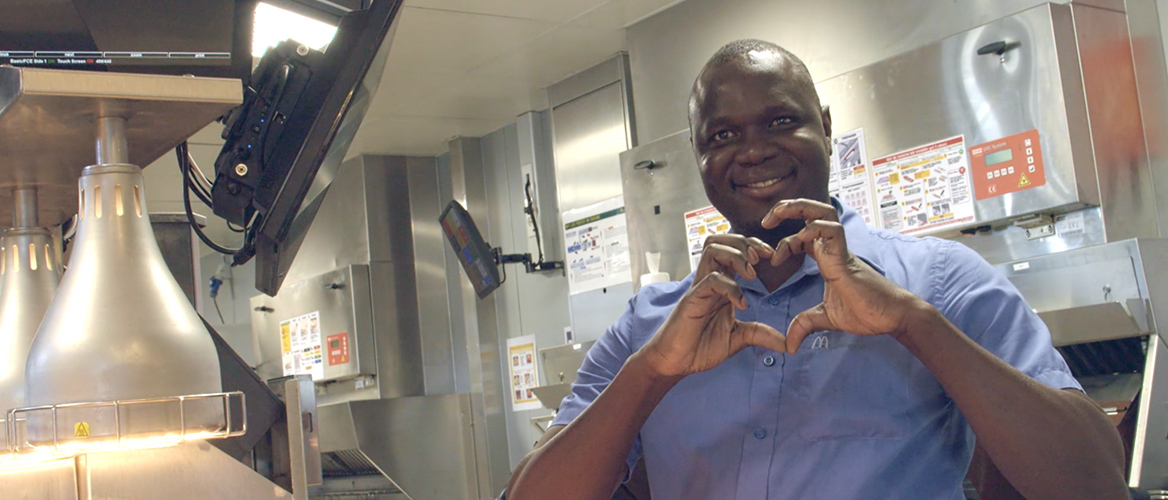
(81, 429)
(1024, 181)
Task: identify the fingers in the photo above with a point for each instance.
(820, 238)
(759, 335)
(804, 209)
(726, 260)
(742, 243)
(710, 291)
(732, 254)
(806, 323)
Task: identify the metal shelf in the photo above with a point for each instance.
(48, 125)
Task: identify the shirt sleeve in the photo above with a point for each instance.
(601, 364)
(990, 310)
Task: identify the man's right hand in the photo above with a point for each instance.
(702, 331)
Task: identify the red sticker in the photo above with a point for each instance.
(338, 348)
(1007, 165)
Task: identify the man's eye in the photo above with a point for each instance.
(721, 135)
(782, 120)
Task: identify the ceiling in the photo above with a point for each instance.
(468, 67)
(455, 68)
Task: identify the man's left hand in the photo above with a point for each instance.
(856, 298)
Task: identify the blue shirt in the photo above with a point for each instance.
(846, 417)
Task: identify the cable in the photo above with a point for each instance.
(217, 311)
(233, 229)
(183, 156)
(530, 209)
(190, 214)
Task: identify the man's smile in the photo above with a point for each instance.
(763, 187)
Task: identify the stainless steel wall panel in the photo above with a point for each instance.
(363, 224)
(1116, 5)
(55, 480)
(592, 123)
(340, 236)
(480, 325)
(526, 304)
(179, 249)
(454, 284)
(656, 216)
(342, 299)
(1117, 133)
(534, 131)
(589, 133)
(400, 364)
(430, 270)
(1144, 21)
(425, 445)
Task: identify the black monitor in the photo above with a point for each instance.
(475, 254)
(172, 37)
(285, 143)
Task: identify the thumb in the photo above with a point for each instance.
(759, 335)
(806, 323)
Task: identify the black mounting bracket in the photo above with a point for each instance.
(525, 259)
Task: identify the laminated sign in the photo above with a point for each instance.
(924, 188)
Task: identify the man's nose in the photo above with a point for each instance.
(756, 151)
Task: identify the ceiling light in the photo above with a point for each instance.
(274, 25)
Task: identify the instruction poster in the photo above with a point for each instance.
(524, 375)
(597, 241)
(699, 225)
(301, 347)
(850, 180)
(924, 188)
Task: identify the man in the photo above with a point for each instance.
(939, 347)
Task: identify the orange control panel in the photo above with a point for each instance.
(338, 348)
(1006, 165)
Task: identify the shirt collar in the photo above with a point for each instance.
(861, 243)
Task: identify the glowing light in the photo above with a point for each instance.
(274, 25)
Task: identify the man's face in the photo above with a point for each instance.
(760, 137)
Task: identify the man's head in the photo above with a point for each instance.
(759, 134)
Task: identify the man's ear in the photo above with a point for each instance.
(827, 120)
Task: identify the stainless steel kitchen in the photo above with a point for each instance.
(458, 249)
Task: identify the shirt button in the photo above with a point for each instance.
(760, 433)
(774, 301)
(769, 361)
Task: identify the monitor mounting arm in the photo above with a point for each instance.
(525, 259)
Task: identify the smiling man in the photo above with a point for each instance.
(895, 352)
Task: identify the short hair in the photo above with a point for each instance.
(739, 50)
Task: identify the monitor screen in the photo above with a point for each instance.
(284, 144)
(175, 37)
(475, 254)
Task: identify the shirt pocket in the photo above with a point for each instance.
(851, 387)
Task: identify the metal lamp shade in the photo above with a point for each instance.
(30, 269)
(120, 327)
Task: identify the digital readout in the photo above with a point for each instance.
(999, 156)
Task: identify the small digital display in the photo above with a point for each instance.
(470, 248)
(999, 156)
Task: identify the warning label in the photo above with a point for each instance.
(924, 188)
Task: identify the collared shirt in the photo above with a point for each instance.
(846, 417)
